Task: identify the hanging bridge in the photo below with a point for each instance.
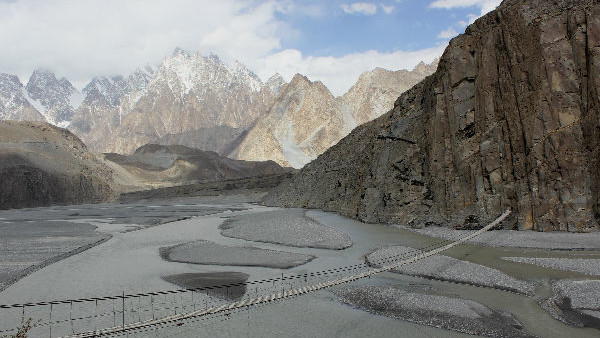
(143, 312)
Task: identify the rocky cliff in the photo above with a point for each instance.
(41, 164)
(511, 119)
(306, 119)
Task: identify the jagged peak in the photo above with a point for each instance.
(179, 51)
(276, 78)
(5, 77)
(40, 78)
(299, 78)
(214, 57)
(42, 72)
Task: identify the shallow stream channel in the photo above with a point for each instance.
(143, 250)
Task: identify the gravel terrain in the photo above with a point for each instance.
(584, 266)
(288, 227)
(26, 246)
(519, 239)
(205, 252)
(451, 269)
(575, 302)
(33, 238)
(434, 310)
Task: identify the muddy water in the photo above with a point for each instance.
(130, 263)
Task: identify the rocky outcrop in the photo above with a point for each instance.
(509, 120)
(42, 165)
(306, 119)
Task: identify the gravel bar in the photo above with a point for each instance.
(451, 269)
(210, 253)
(585, 266)
(289, 227)
(456, 314)
(575, 302)
(519, 239)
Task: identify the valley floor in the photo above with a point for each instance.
(487, 288)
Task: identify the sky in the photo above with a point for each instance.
(332, 41)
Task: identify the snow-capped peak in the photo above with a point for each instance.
(54, 99)
(243, 74)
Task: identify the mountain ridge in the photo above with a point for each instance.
(505, 122)
(306, 119)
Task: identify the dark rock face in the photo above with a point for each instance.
(509, 120)
(43, 165)
(24, 184)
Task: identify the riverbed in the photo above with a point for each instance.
(123, 242)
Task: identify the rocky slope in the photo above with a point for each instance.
(375, 92)
(190, 92)
(176, 164)
(107, 101)
(14, 104)
(298, 127)
(41, 164)
(306, 119)
(220, 139)
(509, 120)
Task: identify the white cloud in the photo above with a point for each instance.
(484, 5)
(387, 9)
(339, 74)
(448, 33)
(81, 39)
(365, 8)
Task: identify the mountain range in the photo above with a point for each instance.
(202, 102)
(306, 119)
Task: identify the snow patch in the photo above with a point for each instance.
(35, 103)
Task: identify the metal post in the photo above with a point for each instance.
(96, 317)
(50, 320)
(123, 308)
(152, 307)
(71, 317)
(193, 303)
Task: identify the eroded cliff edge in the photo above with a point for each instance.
(509, 120)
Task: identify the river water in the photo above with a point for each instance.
(129, 263)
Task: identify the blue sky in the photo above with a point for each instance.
(409, 25)
(331, 41)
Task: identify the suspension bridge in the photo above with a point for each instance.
(133, 313)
